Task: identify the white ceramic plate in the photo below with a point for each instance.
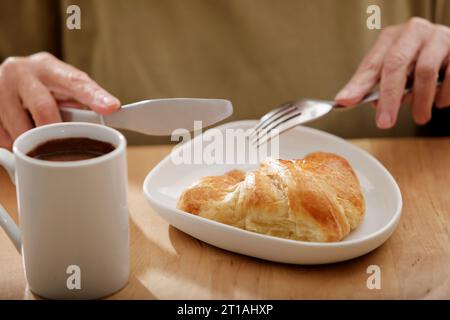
(164, 184)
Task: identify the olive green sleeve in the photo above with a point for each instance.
(29, 26)
(442, 12)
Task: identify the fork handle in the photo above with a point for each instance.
(375, 95)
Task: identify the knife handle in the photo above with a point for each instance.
(80, 115)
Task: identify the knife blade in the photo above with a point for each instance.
(157, 117)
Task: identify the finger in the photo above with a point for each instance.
(443, 95)
(83, 89)
(70, 104)
(407, 98)
(38, 100)
(65, 101)
(14, 117)
(395, 70)
(5, 139)
(426, 73)
(63, 79)
(368, 72)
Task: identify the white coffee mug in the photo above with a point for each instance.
(73, 215)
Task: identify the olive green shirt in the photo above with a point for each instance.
(257, 53)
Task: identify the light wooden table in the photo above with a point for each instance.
(168, 264)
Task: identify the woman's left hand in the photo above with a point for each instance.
(418, 42)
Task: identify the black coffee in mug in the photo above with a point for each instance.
(71, 149)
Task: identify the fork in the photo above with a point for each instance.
(296, 112)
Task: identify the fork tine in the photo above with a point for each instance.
(276, 110)
(287, 116)
(277, 116)
(272, 125)
(281, 127)
(273, 119)
(268, 116)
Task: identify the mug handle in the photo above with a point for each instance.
(6, 222)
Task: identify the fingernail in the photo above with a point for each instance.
(343, 94)
(104, 101)
(384, 120)
(108, 101)
(422, 119)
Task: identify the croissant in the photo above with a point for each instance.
(317, 198)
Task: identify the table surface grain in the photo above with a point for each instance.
(168, 264)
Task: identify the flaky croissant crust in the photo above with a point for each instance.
(317, 198)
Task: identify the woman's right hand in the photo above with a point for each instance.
(32, 88)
